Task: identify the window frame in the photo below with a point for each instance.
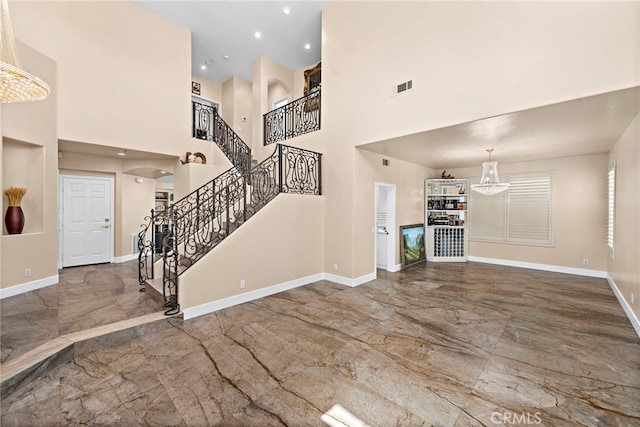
(611, 208)
(504, 234)
(280, 102)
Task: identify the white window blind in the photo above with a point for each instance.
(523, 214)
(487, 216)
(611, 210)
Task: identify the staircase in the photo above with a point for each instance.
(172, 241)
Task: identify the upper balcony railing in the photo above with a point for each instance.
(294, 119)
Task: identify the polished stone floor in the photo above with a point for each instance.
(84, 298)
(439, 344)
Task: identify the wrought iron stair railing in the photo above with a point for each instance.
(208, 125)
(293, 119)
(196, 224)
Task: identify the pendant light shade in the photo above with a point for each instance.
(16, 83)
(490, 181)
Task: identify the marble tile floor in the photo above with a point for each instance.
(85, 297)
(436, 344)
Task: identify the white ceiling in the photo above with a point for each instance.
(220, 28)
(105, 151)
(583, 126)
(65, 146)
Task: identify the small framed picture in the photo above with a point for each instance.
(195, 88)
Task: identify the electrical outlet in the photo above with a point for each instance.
(242, 284)
(335, 267)
(585, 261)
(27, 272)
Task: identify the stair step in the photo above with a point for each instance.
(153, 289)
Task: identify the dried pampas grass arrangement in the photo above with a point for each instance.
(15, 195)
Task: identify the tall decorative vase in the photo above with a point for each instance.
(14, 220)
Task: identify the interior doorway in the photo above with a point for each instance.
(385, 226)
(86, 220)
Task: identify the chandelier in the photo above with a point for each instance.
(490, 182)
(16, 83)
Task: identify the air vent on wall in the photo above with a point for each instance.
(403, 87)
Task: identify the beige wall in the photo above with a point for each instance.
(243, 108)
(136, 198)
(228, 101)
(209, 89)
(277, 92)
(463, 68)
(409, 181)
(264, 71)
(124, 74)
(238, 97)
(624, 267)
(462, 64)
(579, 213)
(190, 176)
(29, 159)
(275, 256)
(470, 60)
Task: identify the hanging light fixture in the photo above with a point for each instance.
(490, 182)
(16, 83)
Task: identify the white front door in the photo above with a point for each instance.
(86, 220)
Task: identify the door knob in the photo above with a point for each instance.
(106, 226)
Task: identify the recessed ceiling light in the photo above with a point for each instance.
(163, 172)
(286, 10)
(203, 67)
(307, 46)
(226, 57)
(122, 153)
(257, 34)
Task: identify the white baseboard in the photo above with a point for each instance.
(392, 269)
(212, 306)
(27, 287)
(395, 268)
(625, 305)
(545, 267)
(350, 282)
(121, 259)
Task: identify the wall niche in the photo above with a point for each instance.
(23, 166)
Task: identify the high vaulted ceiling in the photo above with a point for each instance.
(222, 29)
(583, 126)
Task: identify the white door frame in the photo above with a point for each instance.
(61, 211)
(392, 241)
(213, 103)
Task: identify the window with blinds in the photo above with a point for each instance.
(521, 215)
(611, 209)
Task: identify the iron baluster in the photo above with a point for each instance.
(199, 221)
(228, 218)
(280, 168)
(293, 119)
